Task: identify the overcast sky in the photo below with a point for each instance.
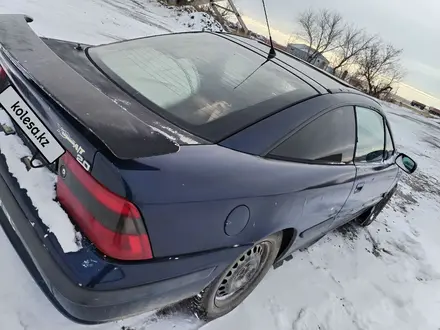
(413, 25)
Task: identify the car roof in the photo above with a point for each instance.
(328, 81)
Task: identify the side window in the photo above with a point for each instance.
(370, 136)
(389, 145)
(328, 139)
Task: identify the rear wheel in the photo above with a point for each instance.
(367, 218)
(231, 287)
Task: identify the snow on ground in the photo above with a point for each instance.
(199, 21)
(39, 184)
(383, 277)
(101, 21)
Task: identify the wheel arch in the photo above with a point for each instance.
(289, 237)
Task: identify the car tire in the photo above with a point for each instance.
(367, 218)
(232, 286)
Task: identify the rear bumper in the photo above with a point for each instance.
(99, 301)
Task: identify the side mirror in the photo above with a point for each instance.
(406, 163)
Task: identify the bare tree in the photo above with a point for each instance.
(352, 42)
(320, 30)
(379, 67)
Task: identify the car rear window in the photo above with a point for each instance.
(206, 84)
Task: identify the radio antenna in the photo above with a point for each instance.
(272, 52)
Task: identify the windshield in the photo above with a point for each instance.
(196, 79)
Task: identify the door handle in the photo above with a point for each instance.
(359, 187)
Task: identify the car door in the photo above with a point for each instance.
(374, 161)
(326, 145)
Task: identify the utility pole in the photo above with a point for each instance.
(237, 14)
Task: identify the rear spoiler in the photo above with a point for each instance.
(125, 135)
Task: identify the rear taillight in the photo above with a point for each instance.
(2, 73)
(111, 222)
(3, 79)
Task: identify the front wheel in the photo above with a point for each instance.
(231, 287)
(367, 218)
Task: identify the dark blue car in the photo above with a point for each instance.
(190, 163)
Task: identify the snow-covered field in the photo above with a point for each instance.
(383, 277)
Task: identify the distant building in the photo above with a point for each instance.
(303, 51)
